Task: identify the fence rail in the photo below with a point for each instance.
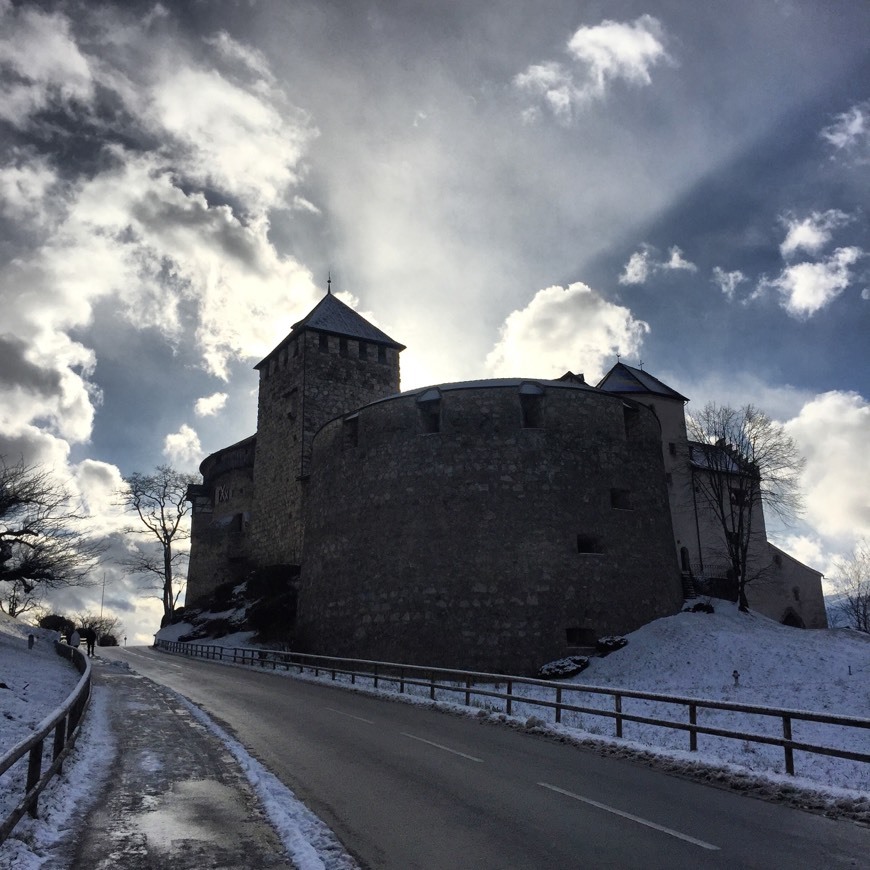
(64, 722)
(475, 684)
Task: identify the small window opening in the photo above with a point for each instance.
(532, 406)
(323, 343)
(631, 420)
(777, 560)
(795, 591)
(342, 347)
(382, 354)
(620, 499)
(295, 348)
(575, 636)
(429, 405)
(293, 403)
(363, 350)
(588, 544)
(738, 496)
(351, 431)
(672, 448)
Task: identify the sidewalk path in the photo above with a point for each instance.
(175, 797)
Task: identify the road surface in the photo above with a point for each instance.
(406, 786)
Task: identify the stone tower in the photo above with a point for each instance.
(332, 362)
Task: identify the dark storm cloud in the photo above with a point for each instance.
(17, 371)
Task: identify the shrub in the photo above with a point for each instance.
(606, 645)
(562, 668)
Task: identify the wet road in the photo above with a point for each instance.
(408, 787)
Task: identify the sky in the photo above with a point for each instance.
(509, 189)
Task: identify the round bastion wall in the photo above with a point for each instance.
(491, 526)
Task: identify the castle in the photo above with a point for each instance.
(492, 524)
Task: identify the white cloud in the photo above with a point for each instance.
(677, 261)
(728, 281)
(850, 132)
(182, 448)
(565, 328)
(601, 54)
(642, 265)
(806, 288)
(47, 64)
(208, 406)
(812, 233)
(865, 293)
(832, 431)
(637, 268)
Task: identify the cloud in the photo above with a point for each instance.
(849, 133)
(565, 328)
(182, 448)
(728, 281)
(832, 431)
(805, 288)
(600, 55)
(812, 233)
(172, 225)
(208, 406)
(47, 67)
(642, 265)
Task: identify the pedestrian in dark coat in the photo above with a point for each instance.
(90, 637)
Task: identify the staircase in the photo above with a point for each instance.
(689, 589)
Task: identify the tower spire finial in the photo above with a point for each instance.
(329, 282)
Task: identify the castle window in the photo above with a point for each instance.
(293, 403)
(630, 419)
(342, 347)
(620, 499)
(382, 354)
(777, 560)
(575, 636)
(795, 591)
(429, 406)
(351, 430)
(363, 350)
(295, 348)
(672, 448)
(323, 343)
(738, 496)
(532, 406)
(589, 544)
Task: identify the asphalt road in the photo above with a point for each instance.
(407, 787)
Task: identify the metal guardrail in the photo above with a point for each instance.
(473, 684)
(65, 723)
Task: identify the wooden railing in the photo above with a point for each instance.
(558, 696)
(64, 722)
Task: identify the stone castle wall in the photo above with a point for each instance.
(222, 509)
(486, 544)
(305, 382)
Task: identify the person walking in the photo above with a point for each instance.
(90, 637)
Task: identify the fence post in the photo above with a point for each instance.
(558, 704)
(693, 733)
(617, 701)
(376, 676)
(401, 681)
(789, 752)
(432, 685)
(34, 768)
(467, 691)
(509, 699)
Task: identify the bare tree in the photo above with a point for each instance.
(160, 502)
(743, 463)
(852, 582)
(43, 540)
(102, 625)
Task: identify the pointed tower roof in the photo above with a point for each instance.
(626, 379)
(333, 316)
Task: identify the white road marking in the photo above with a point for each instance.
(351, 716)
(669, 831)
(445, 748)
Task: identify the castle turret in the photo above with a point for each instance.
(332, 362)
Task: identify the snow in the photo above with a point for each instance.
(40, 681)
(689, 654)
